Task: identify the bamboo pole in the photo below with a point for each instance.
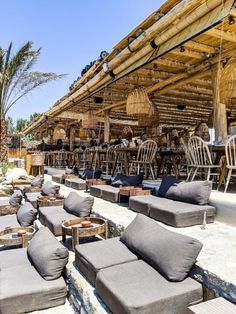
(219, 109)
(106, 127)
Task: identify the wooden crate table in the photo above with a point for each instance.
(45, 201)
(9, 236)
(133, 191)
(74, 228)
(8, 209)
(32, 189)
(90, 182)
(21, 182)
(215, 306)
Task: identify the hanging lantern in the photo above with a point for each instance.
(151, 120)
(228, 81)
(138, 103)
(83, 134)
(89, 120)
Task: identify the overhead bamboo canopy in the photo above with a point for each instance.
(172, 53)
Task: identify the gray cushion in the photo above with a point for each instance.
(141, 203)
(95, 190)
(92, 257)
(110, 193)
(180, 214)
(47, 254)
(137, 288)
(8, 221)
(77, 205)
(26, 214)
(37, 181)
(172, 254)
(196, 192)
(78, 184)
(127, 180)
(12, 258)
(49, 189)
(58, 178)
(16, 198)
(22, 290)
(45, 210)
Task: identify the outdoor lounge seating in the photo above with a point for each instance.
(30, 279)
(10, 205)
(179, 203)
(136, 274)
(74, 206)
(24, 217)
(75, 183)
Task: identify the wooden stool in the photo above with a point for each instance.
(37, 171)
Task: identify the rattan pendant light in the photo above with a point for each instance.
(150, 120)
(138, 103)
(228, 81)
(89, 120)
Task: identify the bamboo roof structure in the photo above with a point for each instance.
(170, 54)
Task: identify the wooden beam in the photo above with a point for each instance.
(106, 127)
(226, 35)
(188, 53)
(200, 47)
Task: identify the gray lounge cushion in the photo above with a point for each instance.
(16, 198)
(110, 193)
(47, 254)
(9, 221)
(92, 257)
(37, 181)
(180, 214)
(127, 180)
(49, 189)
(77, 205)
(26, 214)
(12, 258)
(22, 290)
(95, 190)
(137, 288)
(196, 192)
(170, 253)
(141, 203)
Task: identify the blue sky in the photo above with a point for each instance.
(71, 33)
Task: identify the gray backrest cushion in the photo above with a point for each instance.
(77, 205)
(49, 189)
(196, 192)
(16, 198)
(135, 180)
(37, 181)
(47, 254)
(170, 253)
(26, 214)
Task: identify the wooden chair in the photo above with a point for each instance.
(108, 162)
(145, 158)
(200, 158)
(230, 153)
(189, 162)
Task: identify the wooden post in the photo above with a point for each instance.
(219, 109)
(106, 126)
(72, 138)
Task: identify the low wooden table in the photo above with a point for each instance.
(73, 228)
(9, 236)
(45, 201)
(133, 191)
(215, 306)
(90, 182)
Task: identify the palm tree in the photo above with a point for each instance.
(16, 81)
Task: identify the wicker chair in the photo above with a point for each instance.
(108, 162)
(230, 153)
(145, 158)
(200, 156)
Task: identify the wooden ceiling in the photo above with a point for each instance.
(181, 76)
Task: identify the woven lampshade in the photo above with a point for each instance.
(89, 120)
(150, 120)
(138, 103)
(228, 81)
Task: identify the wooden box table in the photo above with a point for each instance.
(133, 191)
(74, 228)
(9, 236)
(215, 306)
(45, 201)
(90, 182)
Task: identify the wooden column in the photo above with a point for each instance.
(72, 138)
(106, 126)
(219, 109)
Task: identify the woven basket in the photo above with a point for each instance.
(151, 120)
(89, 120)
(138, 103)
(228, 81)
(37, 159)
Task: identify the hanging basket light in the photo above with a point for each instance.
(150, 120)
(138, 103)
(228, 81)
(83, 134)
(89, 120)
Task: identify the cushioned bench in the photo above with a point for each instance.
(36, 182)
(58, 178)
(75, 183)
(74, 206)
(30, 279)
(179, 204)
(137, 274)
